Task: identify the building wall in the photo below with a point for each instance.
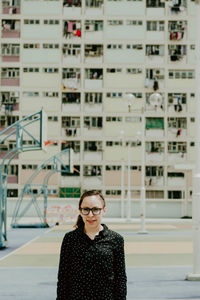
(52, 66)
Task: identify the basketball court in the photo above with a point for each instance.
(157, 262)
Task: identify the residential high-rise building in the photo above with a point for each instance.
(93, 65)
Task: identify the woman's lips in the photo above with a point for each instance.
(91, 221)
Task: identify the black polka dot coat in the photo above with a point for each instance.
(92, 269)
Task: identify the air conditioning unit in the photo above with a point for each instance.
(89, 27)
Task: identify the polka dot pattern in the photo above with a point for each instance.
(92, 269)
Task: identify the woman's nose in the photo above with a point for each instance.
(90, 213)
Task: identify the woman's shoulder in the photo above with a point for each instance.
(69, 236)
(115, 235)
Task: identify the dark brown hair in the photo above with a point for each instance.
(79, 222)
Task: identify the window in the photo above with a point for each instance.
(10, 73)
(154, 123)
(133, 71)
(113, 168)
(71, 49)
(31, 22)
(53, 119)
(113, 192)
(65, 171)
(114, 95)
(113, 70)
(71, 73)
(113, 119)
(50, 70)
(155, 26)
(154, 171)
(89, 170)
(30, 70)
(51, 22)
(155, 50)
(115, 22)
(31, 46)
(175, 175)
(93, 25)
(50, 94)
(155, 3)
(92, 146)
(177, 123)
(12, 170)
(50, 46)
(93, 97)
(71, 98)
(155, 194)
(75, 145)
(113, 143)
(179, 74)
(12, 193)
(73, 122)
(134, 22)
(29, 167)
(175, 195)
(93, 122)
(133, 119)
(114, 46)
(135, 46)
(31, 94)
(177, 147)
(10, 49)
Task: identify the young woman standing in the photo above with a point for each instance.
(92, 263)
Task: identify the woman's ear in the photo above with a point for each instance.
(104, 210)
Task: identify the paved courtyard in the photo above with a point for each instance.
(157, 262)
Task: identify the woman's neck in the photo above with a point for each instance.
(92, 232)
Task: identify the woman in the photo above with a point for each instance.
(92, 264)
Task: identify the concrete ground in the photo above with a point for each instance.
(157, 262)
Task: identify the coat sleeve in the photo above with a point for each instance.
(120, 278)
(63, 282)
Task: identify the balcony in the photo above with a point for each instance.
(10, 81)
(155, 54)
(72, 30)
(12, 179)
(71, 54)
(177, 30)
(154, 127)
(10, 29)
(177, 8)
(94, 54)
(154, 152)
(93, 30)
(154, 181)
(93, 78)
(155, 8)
(177, 54)
(71, 101)
(177, 103)
(11, 10)
(94, 7)
(71, 79)
(72, 8)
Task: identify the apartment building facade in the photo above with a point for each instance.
(79, 60)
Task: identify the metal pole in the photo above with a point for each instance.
(122, 190)
(129, 183)
(196, 178)
(143, 190)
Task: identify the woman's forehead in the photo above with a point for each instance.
(93, 200)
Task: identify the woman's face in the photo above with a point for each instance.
(92, 221)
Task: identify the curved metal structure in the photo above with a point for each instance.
(21, 131)
(59, 165)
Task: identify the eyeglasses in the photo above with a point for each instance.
(95, 210)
